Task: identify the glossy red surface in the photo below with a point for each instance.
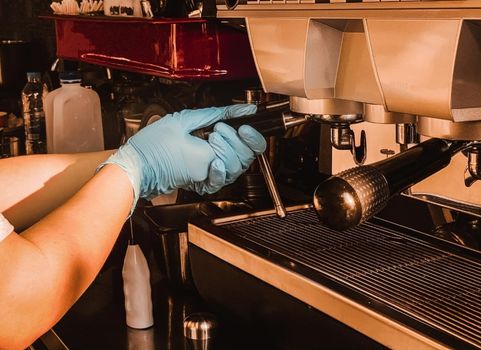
(187, 49)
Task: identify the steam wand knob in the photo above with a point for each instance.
(355, 195)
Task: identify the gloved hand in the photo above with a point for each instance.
(164, 156)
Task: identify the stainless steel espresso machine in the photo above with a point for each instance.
(384, 253)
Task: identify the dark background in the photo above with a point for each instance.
(20, 21)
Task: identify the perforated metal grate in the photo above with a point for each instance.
(429, 284)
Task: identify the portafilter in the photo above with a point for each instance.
(355, 195)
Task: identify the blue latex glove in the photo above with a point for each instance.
(164, 156)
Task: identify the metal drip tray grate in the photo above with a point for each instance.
(436, 287)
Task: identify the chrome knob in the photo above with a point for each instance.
(199, 330)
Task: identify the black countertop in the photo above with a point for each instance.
(97, 320)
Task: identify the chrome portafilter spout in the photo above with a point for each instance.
(342, 136)
(473, 170)
(355, 195)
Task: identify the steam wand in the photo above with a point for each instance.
(271, 185)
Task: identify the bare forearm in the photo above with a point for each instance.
(54, 261)
(32, 186)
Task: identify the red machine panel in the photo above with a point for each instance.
(187, 49)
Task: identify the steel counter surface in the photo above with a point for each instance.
(398, 286)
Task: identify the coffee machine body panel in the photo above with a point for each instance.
(420, 66)
(396, 89)
(396, 64)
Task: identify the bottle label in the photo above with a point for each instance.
(35, 133)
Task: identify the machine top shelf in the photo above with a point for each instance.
(338, 9)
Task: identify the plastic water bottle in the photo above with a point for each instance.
(32, 97)
(73, 117)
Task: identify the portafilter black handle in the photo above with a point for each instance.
(355, 195)
(267, 121)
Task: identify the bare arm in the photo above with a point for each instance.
(32, 186)
(53, 262)
(44, 270)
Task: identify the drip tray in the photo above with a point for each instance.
(400, 287)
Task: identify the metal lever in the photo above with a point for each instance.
(271, 185)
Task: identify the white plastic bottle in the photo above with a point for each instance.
(137, 292)
(73, 117)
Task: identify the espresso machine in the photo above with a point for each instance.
(385, 252)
